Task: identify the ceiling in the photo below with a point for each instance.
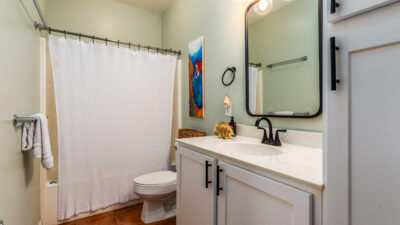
(153, 5)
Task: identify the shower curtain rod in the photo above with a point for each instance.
(49, 29)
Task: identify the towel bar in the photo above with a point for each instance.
(304, 58)
(23, 119)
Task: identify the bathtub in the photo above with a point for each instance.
(49, 203)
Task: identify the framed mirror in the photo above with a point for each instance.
(284, 58)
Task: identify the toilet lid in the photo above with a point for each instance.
(156, 178)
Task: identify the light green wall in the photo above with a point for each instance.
(222, 24)
(106, 18)
(19, 94)
(288, 33)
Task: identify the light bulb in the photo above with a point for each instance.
(263, 7)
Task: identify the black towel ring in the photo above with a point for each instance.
(231, 69)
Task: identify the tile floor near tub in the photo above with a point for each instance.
(125, 216)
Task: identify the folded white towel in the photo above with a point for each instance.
(27, 136)
(41, 142)
(284, 113)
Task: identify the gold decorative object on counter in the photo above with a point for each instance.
(224, 130)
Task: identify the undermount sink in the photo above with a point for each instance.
(249, 149)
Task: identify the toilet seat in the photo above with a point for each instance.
(156, 183)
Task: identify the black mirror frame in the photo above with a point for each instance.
(320, 33)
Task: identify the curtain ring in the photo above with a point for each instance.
(139, 47)
(157, 50)
(118, 43)
(49, 30)
(80, 36)
(148, 49)
(93, 39)
(129, 45)
(65, 35)
(106, 41)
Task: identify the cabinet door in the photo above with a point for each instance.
(342, 9)
(248, 198)
(196, 200)
(362, 146)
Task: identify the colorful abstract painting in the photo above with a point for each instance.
(196, 78)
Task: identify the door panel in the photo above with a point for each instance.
(248, 198)
(349, 8)
(375, 107)
(362, 148)
(196, 204)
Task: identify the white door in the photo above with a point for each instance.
(196, 201)
(342, 9)
(250, 199)
(363, 148)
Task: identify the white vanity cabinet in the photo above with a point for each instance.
(248, 198)
(196, 198)
(235, 196)
(342, 9)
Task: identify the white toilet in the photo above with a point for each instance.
(158, 191)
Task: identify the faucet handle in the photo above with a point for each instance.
(264, 139)
(277, 140)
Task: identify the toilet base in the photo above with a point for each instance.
(157, 210)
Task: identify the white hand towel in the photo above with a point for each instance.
(37, 139)
(27, 136)
(41, 143)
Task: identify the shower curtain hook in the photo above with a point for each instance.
(157, 50)
(65, 35)
(139, 47)
(49, 30)
(93, 39)
(148, 49)
(129, 45)
(118, 43)
(80, 36)
(106, 41)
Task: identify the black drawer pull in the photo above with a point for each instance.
(219, 170)
(334, 5)
(333, 49)
(207, 181)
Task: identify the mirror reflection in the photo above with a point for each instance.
(284, 58)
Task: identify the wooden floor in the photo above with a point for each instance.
(125, 216)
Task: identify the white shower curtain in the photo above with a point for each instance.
(114, 109)
(253, 78)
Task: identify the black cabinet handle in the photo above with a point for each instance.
(219, 170)
(333, 49)
(207, 181)
(334, 5)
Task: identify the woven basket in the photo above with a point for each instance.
(188, 133)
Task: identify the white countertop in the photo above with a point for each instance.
(300, 163)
